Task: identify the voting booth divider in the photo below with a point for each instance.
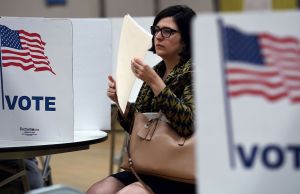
(54, 75)
(247, 96)
(36, 79)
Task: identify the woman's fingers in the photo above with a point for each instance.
(138, 67)
(134, 70)
(134, 67)
(110, 78)
(111, 84)
(138, 64)
(111, 91)
(111, 81)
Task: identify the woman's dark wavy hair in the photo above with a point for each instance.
(182, 16)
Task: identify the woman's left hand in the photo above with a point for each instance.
(148, 75)
(143, 71)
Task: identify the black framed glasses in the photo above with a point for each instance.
(165, 31)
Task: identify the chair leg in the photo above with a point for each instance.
(123, 150)
(46, 171)
(24, 177)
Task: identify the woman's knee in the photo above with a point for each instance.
(134, 188)
(109, 185)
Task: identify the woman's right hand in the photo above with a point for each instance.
(112, 91)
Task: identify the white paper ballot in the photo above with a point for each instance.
(134, 42)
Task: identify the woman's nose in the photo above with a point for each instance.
(158, 35)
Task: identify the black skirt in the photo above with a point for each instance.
(157, 184)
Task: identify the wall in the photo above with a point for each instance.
(95, 8)
(38, 8)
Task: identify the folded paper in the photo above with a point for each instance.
(134, 42)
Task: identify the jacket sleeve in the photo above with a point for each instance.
(178, 110)
(126, 120)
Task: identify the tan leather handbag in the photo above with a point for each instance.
(155, 148)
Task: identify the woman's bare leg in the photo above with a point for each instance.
(134, 188)
(109, 185)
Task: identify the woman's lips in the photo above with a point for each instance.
(159, 46)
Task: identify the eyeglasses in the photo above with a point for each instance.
(165, 31)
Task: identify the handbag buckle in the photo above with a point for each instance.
(147, 125)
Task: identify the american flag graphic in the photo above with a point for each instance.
(23, 49)
(262, 65)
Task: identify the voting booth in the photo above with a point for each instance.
(247, 95)
(53, 77)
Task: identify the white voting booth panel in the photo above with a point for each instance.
(247, 78)
(49, 105)
(82, 53)
(92, 63)
(96, 43)
(36, 79)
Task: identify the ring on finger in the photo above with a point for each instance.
(134, 69)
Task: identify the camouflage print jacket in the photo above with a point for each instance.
(175, 100)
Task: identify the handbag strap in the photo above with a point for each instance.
(131, 166)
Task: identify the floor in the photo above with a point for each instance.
(81, 169)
